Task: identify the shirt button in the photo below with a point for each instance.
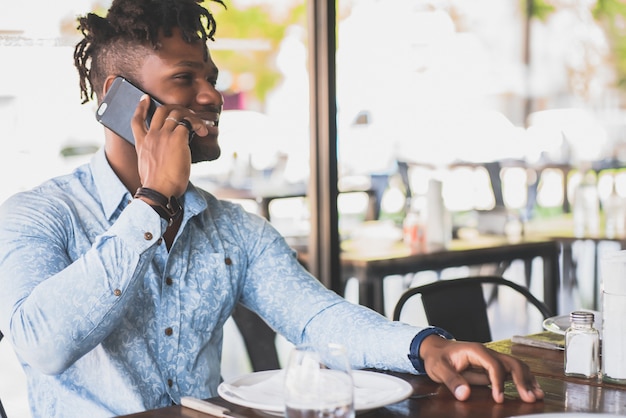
(148, 236)
(170, 382)
(117, 292)
(159, 241)
(169, 281)
(228, 261)
(168, 331)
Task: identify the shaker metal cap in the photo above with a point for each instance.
(583, 317)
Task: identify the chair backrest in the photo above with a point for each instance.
(459, 306)
(3, 413)
(259, 339)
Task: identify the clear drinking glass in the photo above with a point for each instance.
(318, 384)
(613, 273)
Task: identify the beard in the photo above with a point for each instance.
(204, 149)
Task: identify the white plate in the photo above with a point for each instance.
(393, 389)
(560, 324)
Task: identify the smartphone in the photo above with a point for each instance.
(119, 105)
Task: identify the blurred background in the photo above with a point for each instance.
(505, 102)
(433, 83)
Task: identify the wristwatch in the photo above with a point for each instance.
(168, 209)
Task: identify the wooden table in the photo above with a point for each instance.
(561, 394)
(370, 270)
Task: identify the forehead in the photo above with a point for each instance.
(172, 55)
(176, 48)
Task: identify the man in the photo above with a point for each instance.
(117, 279)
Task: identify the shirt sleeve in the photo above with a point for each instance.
(301, 309)
(53, 309)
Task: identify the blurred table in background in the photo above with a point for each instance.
(561, 230)
(551, 239)
(371, 269)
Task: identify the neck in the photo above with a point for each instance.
(123, 160)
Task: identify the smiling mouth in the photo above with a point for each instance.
(213, 123)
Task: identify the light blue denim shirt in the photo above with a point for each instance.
(106, 322)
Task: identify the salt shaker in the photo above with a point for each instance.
(582, 342)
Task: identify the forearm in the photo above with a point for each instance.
(300, 308)
(372, 340)
(318, 316)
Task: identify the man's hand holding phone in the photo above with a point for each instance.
(163, 153)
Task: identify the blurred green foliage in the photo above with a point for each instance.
(260, 25)
(541, 9)
(611, 15)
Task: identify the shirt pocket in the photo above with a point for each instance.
(213, 293)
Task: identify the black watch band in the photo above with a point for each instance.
(168, 209)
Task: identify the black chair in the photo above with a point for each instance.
(3, 413)
(459, 306)
(259, 339)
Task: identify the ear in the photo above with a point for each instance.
(107, 84)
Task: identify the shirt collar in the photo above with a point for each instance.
(113, 194)
(111, 190)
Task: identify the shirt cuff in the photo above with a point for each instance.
(414, 351)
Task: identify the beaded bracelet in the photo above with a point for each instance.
(168, 209)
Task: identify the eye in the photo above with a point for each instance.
(186, 77)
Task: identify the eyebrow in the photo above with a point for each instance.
(190, 64)
(197, 66)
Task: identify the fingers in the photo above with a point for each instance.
(461, 392)
(187, 119)
(198, 125)
(520, 373)
(163, 154)
(138, 121)
(444, 361)
(176, 115)
(504, 367)
(496, 368)
(454, 381)
(490, 361)
(182, 123)
(526, 384)
(459, 365)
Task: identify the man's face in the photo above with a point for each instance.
(178, 73)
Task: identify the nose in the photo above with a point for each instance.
(209, 95)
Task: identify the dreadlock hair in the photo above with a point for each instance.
(113, 44)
